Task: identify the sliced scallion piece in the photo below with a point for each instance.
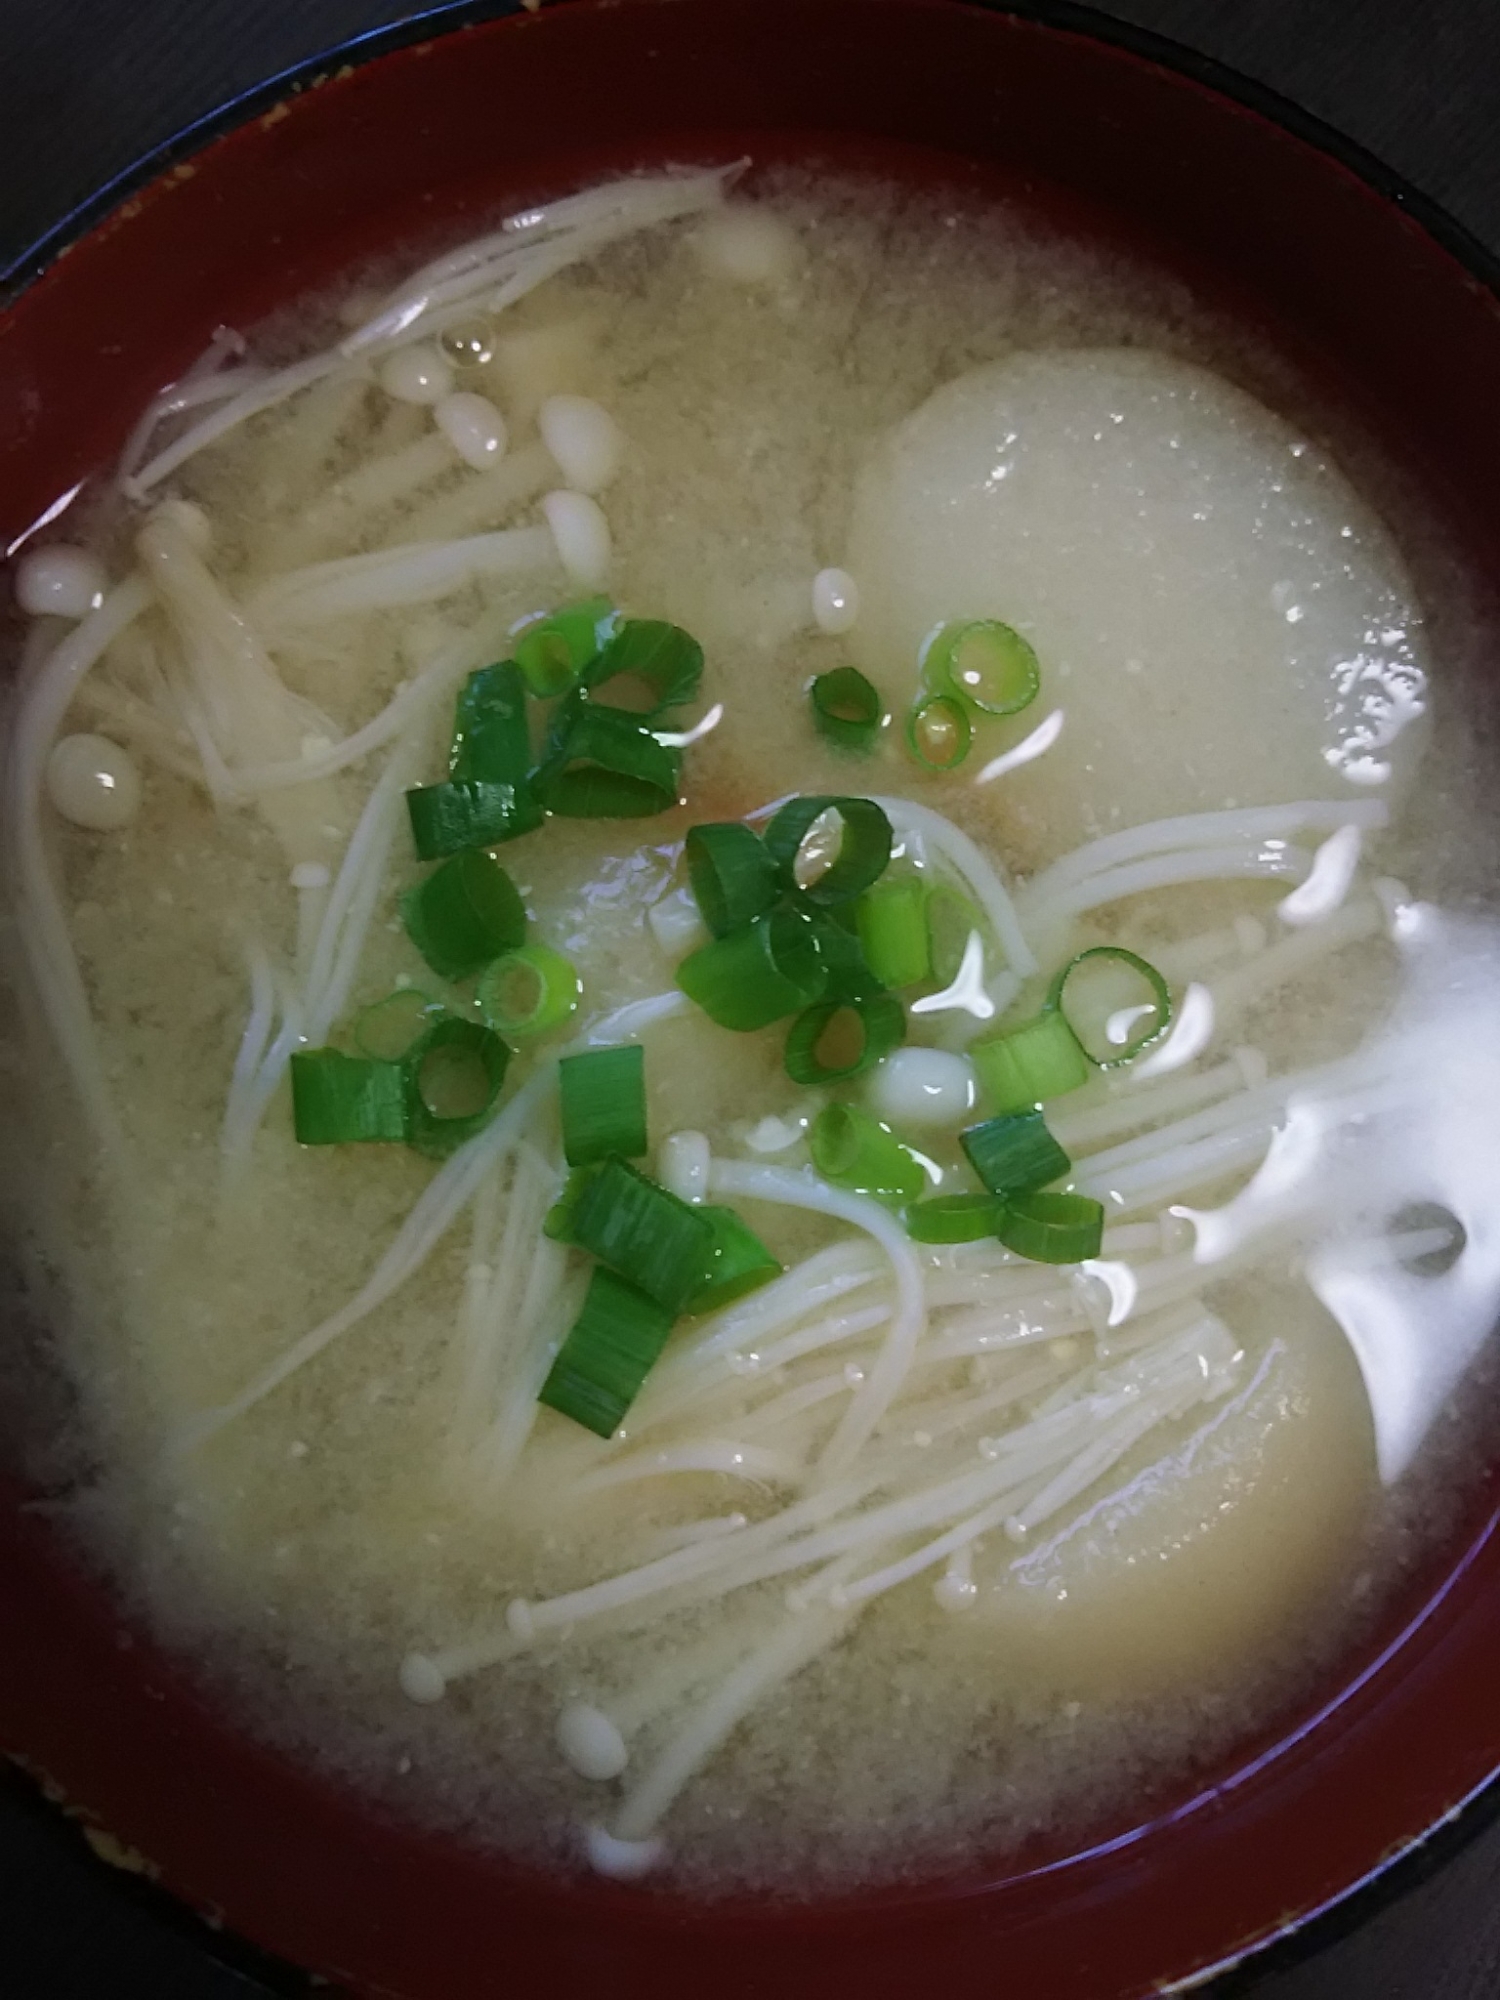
(650, 659)
(528, 992)
(939, 732)
(953, 1218)
(984, 663)
(603, 1104)
(607, 765)
(558, 1221)
(1051, 1228)
(1014, 1154)
(739, 1263)
(1154, 1015)
(847, 708)
(491, 732)
(470, 812)
(734, 879)
(892, 919)
(854, 1150)
(843, 1038)
(390, 1029)
(1031, 1064)
(553, 651)
(610, 1349)
(847, 973)
(756, 975)
(465, 913)
(864, 847)
(657, 1242)
(453, 1076)
(339, 1100)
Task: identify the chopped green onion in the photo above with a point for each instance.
(338, 1099)
(470, 812)
(607, 766)
(757, 975)
(658, 1242)
(854, 1150)
(842, 1038)
(558, 1221)
(528, 992)
(739, 1263)
(390, 1028)
(554, 651)
(951, 921)
(1014, 1154)
(612, 1347)
(864, 848)
(603, 1104)
(892, 919)
(953, 1218)
(1051, 1228)
(453, 1076)
(465, 913)
(491, 733)
(565, 713)
(984, 663)
(1032, 1064)
(734, 880)
(939, 732)
(847, 974)
(1158, 1009)
(665, 662)
(847, 708)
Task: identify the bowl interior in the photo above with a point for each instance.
(1377, 319)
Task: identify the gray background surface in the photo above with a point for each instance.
(86, 86)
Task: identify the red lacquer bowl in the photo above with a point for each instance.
(434, 135)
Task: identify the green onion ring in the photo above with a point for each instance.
(1052, 1228)
(650, 1237)
(552, 652)
(758, 974)
(491, 729)
(953, 1218)
(1015, 1153)
(340, 1100)
(855, 1150)
(608, 765)
(882, 1027)
(662, 657)
(1160, 993)
(847, 708)
(551, 980)
(893, 931)
(864, 847)
(740, 1262)
(603, 1094)
(945, 711)
(437, 1133)
(733, 878)
(984, 663)
(466, 912)
(610, 1350)
(1040, 1060)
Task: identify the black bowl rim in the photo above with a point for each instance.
(1427, 1852)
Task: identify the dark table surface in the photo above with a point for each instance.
(86, 86)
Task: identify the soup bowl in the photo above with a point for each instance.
(1387, 313)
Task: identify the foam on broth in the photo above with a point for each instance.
(757, 369)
